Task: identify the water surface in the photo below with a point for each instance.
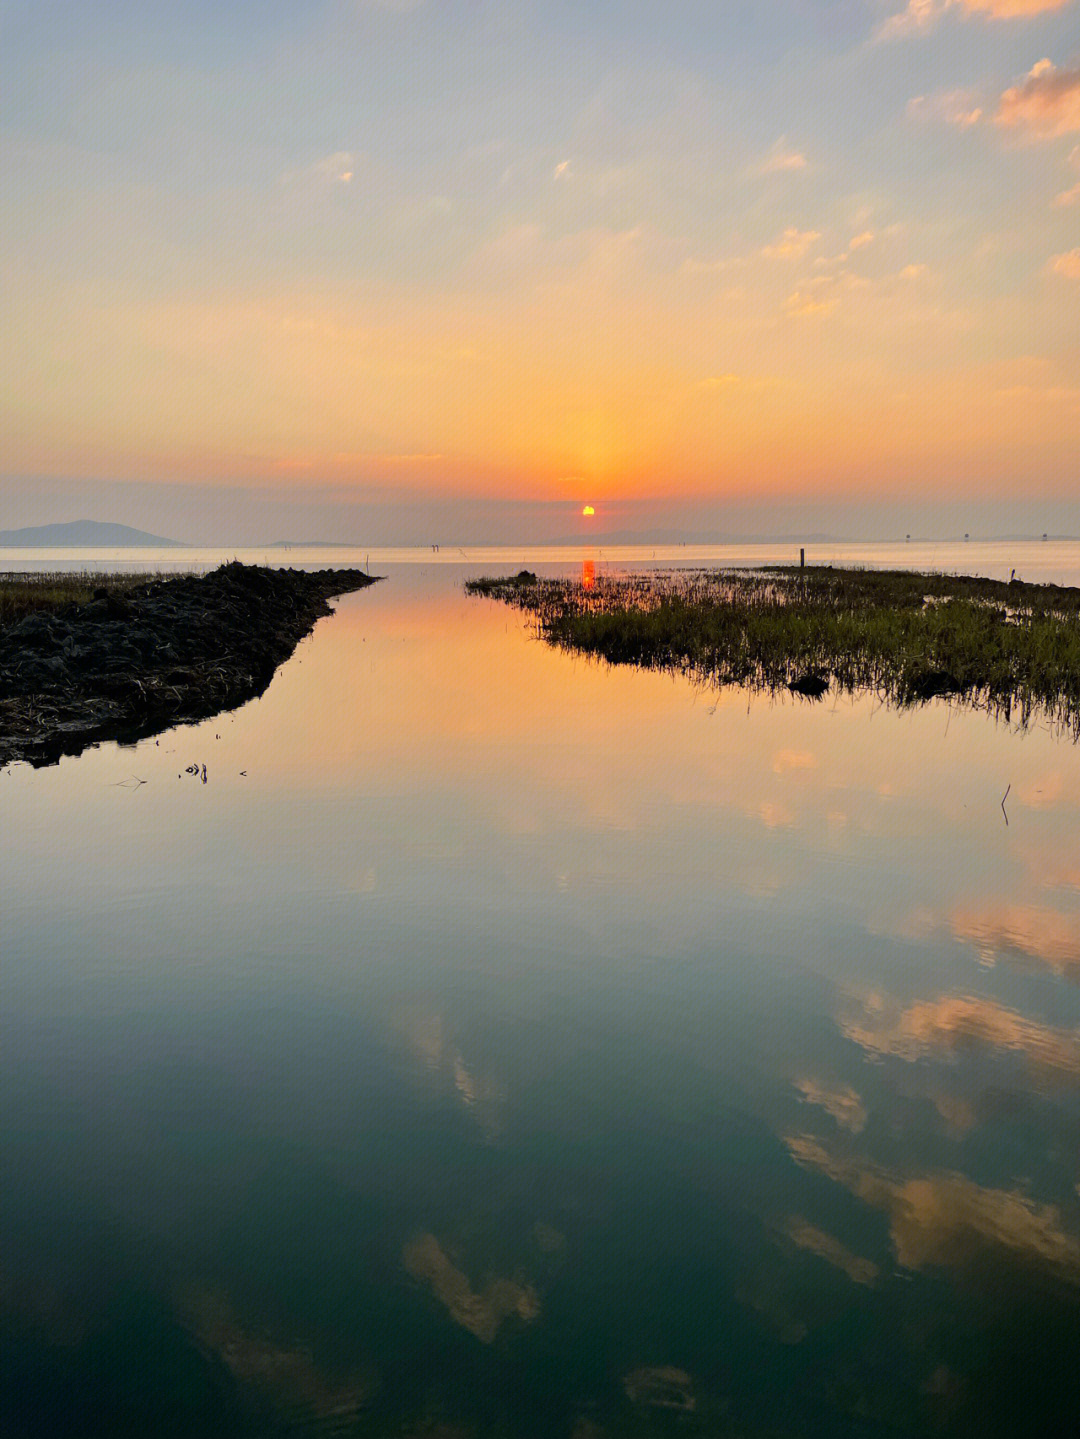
(498, 1043)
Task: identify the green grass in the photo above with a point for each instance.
(25, 594)
(1011, 648)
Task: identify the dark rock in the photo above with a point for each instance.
(811, 685)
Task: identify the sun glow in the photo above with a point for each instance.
(588, 510)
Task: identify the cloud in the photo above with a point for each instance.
(1067, 197)
(920, 16)
(1046, 105)
(1012, 9)
(1041, 936)
(825, 1246)
(561, 169)
(858, 241)
(336, 169)
(946, 1221)
(962, 1024)
(917, 16)
(838, 1100)
(481, 1312)
(950, 107)
(782, 158)
(804, 305)
(1067, 264)
(792, 245)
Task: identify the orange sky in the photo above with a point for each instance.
(690, 265)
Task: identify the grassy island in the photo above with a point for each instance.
(1008, 647)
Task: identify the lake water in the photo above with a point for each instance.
(501, 1044)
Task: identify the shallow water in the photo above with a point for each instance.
(498, 1043)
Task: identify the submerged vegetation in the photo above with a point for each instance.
(1007, 647)
(38, 592)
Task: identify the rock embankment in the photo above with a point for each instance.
(169, 652)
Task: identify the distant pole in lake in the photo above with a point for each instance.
(802, 558)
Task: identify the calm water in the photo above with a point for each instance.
(501, 1044)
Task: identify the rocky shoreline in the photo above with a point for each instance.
(170, 652)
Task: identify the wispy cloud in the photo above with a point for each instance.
(792, 245)
(1067, 198)
(1046, 105)
(336, 169)
(1067, 264)
(950, 107)
(783, 157)
(857, 242)
(805, 304)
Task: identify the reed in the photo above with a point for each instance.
(28, 593)
(1011, 648)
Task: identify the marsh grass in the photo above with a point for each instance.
(28, 593)
(1011, 648)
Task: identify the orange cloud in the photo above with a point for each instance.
(1046, 105)
(840, 1101)
(1043, 935)
(783, 158)
(825, 1246)
(959, 1024)
(1012, 9)
(922, 15)
(1067, 264)
(792, 245)
(946, 1220)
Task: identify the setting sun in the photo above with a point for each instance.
(588, 510)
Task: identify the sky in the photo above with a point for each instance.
(396, 271)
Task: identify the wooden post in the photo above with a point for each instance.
(802, 558)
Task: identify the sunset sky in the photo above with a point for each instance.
(393, 270)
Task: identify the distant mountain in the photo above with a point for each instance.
(79, 533)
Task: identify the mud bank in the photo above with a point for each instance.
(174, 651)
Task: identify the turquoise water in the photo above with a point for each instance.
(502, 1044)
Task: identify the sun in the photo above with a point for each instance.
(588, 510)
